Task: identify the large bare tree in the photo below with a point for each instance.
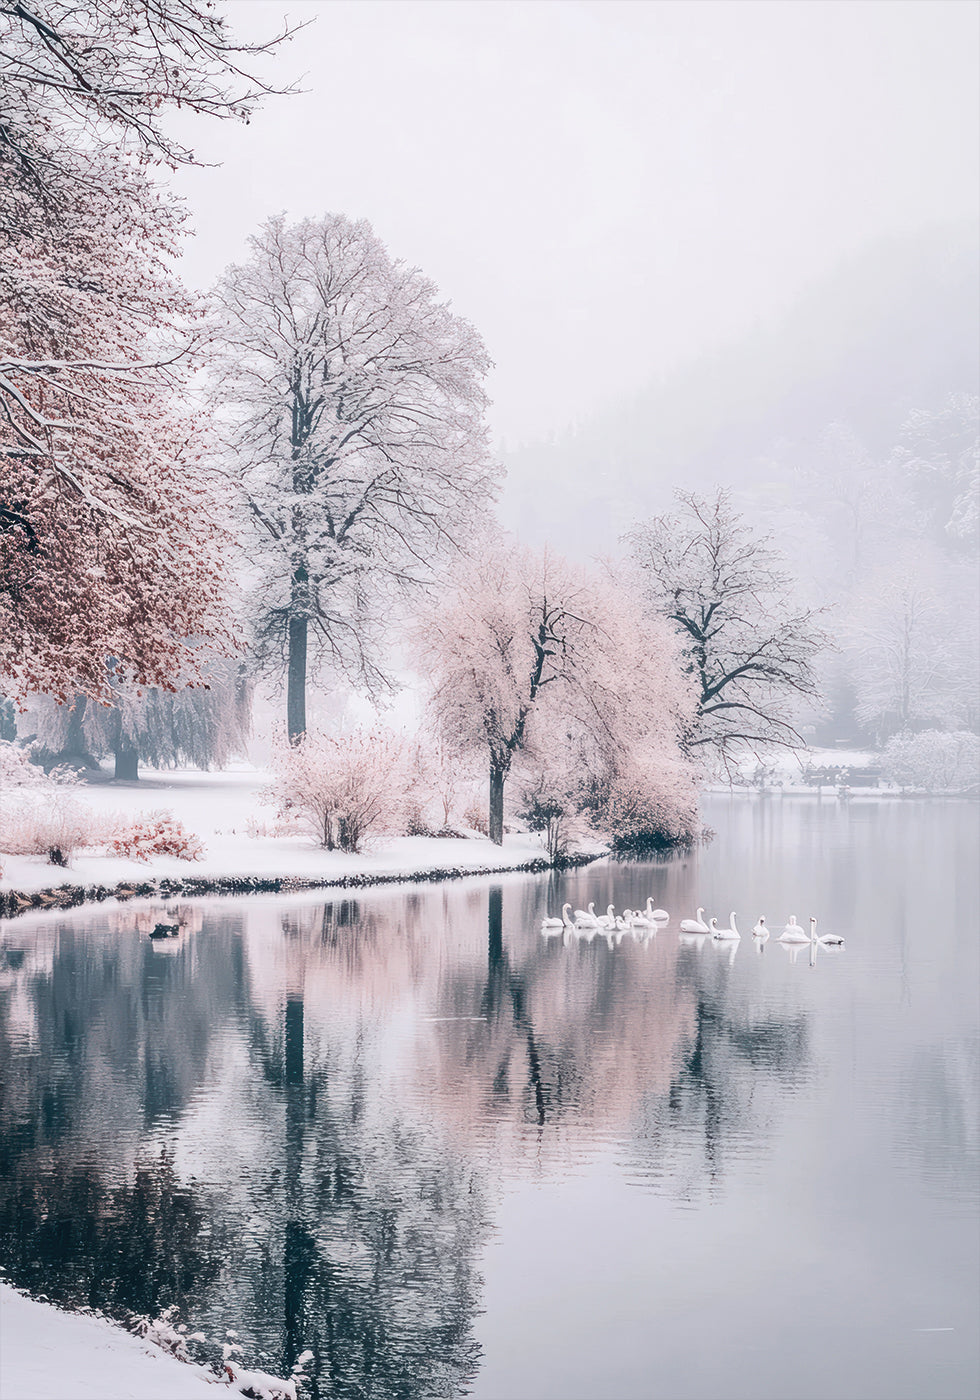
(353, 413)
(750, 645)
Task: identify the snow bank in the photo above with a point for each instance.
(46, 1354)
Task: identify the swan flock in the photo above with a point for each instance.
(587, 921)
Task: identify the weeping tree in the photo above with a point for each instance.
(353, 413)
(532, 660)
(750, 646)
(202, 725)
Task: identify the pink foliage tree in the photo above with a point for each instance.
(533, 658)
(108, 530)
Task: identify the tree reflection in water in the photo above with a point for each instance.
(296, 1123)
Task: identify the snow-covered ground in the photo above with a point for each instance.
(221, 809)
(47, 1354)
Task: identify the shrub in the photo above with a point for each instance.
(933, 761)
(155, 834)
(342, 788)
(40, 813)
(650, 806)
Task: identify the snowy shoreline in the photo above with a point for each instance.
(222, 809)
(47, 1353)
(68, 896)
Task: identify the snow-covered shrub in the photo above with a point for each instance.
(649, 804)
(165, 1332)
(343, 787)
(40, 814)
(934, 761)
(156, 833)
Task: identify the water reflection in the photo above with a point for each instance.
(302, 1119)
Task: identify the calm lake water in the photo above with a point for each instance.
(450, 1156)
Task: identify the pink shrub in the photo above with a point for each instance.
(341, 788)
(155, 834)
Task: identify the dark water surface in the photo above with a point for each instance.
(450, 1156)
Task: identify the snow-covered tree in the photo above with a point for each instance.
(750, 646)
(527, 655)
(353, 407)
(933, 760)
(912, 642)
(203, 725)
(107, 535)
(939, 455)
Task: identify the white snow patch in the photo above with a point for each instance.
(47, 1354)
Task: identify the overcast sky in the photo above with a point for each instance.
(604, 189)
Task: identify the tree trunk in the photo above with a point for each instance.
(497, 776)
(127, 761)
(296, 679)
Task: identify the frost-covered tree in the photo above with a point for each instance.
(107, 540)
(939, 455)
(203, 725)
(353, 409)
(527, 655)
(750, 646)
(912, 643)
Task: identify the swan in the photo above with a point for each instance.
(623, 925)
(730, 932)
(759, 928)
(831, 940)
(794, 932)
(608, 919)
(553, 923)
(695, 925)
(659, 916)
(587, 917)
(566, 918)
(638, 920)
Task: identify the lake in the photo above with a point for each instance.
(452, 1156)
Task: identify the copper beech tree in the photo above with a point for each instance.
(534, 660)
(352, 406)
(108, 532)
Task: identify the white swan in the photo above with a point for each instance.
(566, 919)
(759, 929)
(587, 917)
(638, 920)
(695, 925)
(730, 932)
(608, 919)
(552, 923)
(830, 940)
(659, 916)
(793, 932)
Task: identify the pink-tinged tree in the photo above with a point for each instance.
(106, 528)
(353, 409)
(531, 658)
(750, 646)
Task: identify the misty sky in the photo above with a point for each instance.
(604, 189)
